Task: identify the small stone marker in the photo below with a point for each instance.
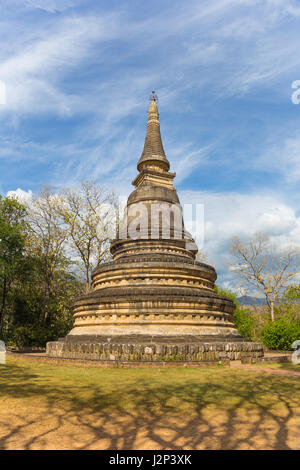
(2, 352)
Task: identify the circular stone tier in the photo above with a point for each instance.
(149, 296)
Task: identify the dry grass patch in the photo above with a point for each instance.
(47, 406)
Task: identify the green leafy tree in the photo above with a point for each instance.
(46, 242)
(290, 303)
(12, 241)
(41, 247)
(29, 327)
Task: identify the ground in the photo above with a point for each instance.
(51, 406)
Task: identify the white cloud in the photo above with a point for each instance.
(289, 7)
(283, 157)
(185, 160)
(242, 215)
(32, 74)
(51, 6)
(277, 221)
(201, 48)
(21, 195)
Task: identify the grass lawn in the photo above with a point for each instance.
(280, 366)
(48, 406)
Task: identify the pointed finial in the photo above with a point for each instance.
(153, 97)
(153, 147)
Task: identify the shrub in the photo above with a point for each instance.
(281, 333)
(34, 334)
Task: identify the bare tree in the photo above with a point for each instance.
(47, 237)
(261, 264)
(89, 215)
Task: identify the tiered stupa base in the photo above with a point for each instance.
(147, 324)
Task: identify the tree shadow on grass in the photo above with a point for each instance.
(227, 409)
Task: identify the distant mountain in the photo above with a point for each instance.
(248, 300)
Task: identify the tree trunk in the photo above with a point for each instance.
(272, 310)
(87, 282)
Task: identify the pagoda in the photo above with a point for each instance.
(154, 301)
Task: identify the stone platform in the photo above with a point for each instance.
(214, 351)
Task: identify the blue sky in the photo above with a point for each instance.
(78, 74)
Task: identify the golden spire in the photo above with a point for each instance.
(153, 148)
